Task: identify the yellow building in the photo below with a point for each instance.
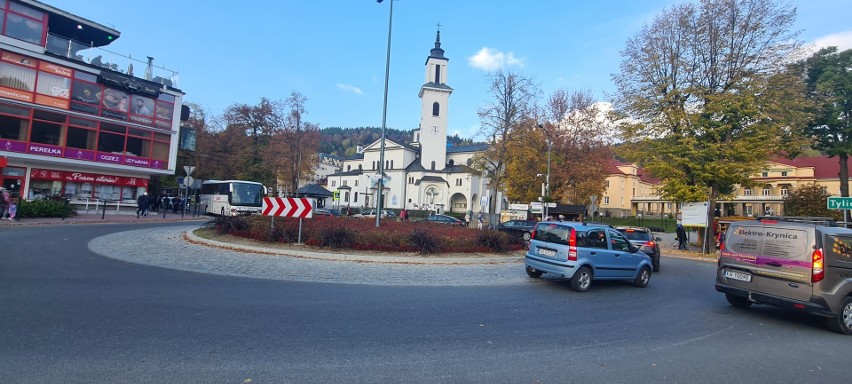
(631, 192)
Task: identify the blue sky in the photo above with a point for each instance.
(334, 51)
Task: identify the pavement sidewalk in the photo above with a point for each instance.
(104, 218)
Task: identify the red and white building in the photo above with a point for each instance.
(75, 121)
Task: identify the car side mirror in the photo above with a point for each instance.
(633, 248)
(658, 239)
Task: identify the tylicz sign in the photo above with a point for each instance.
(835, 202)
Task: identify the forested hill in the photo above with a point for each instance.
(343, 142)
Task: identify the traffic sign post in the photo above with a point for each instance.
(288, 207)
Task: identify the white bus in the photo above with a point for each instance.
(231, 197)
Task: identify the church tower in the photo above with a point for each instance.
(434, 98)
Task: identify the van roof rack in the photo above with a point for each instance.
(829, 221)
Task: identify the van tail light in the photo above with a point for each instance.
(532, 234)
(818, 266)
(649, 244)
(572, 245)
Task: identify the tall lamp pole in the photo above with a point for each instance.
(379, 201)
(547, 178)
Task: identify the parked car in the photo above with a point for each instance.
(442, 219)
(521, 228)
(643, 238)
(326, 212)
(798, 263)
(583, 252)
(386, 214)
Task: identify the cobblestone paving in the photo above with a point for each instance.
(168, 248)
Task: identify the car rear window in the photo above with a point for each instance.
(552, 233)
(632, 234)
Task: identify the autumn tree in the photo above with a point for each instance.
(705, 90)
(828, 75)
(257, 123)
(293, 146)
(513, 101)
(219, 150)
(581, 146)
(809, 200)
(527, 154)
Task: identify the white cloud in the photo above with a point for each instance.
(350, 88)
(841, 40)
(489, 59)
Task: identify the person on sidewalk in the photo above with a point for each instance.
(142, 205)
(480, 220)
(681, 237)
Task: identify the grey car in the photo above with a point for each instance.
(802, 264)
(643, 238)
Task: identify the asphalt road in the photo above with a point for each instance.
(69, 315)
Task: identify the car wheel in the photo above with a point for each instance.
(582, 279)
(738, 301)
(842, 322)
(534, 273)
(643, 277)
(527, 236)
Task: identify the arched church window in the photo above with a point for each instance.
(348, 167)
(391, 167)
(433, 165)
(451, 162)
(359, 167)
(436, 109)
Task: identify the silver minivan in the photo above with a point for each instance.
(803, 264)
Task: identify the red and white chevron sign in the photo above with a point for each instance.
(288, 207)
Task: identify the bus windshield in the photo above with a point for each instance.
(247, 194)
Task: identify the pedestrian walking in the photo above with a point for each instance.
(142, 205)
(5, 201)
(480, 220)
(12, 209)
(681, 237)
(467, 219)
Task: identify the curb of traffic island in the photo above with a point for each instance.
(292, 250)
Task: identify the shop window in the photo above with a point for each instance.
(107, 192)
(24, 23)
(110, 143)
(13, 128)
(160, 151)
(17, 77)
(53, 85)
(79, 191)
(81, 138)
(138, 147)
(44, 132)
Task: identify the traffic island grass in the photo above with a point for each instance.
(360, 234)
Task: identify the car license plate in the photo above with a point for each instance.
(546, 252)
(741, 276)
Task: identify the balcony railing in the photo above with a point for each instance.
(143, 69)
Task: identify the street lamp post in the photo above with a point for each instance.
(379, 202)
(547, 177)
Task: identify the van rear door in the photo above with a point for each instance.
(738, 258)
(783, 267)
